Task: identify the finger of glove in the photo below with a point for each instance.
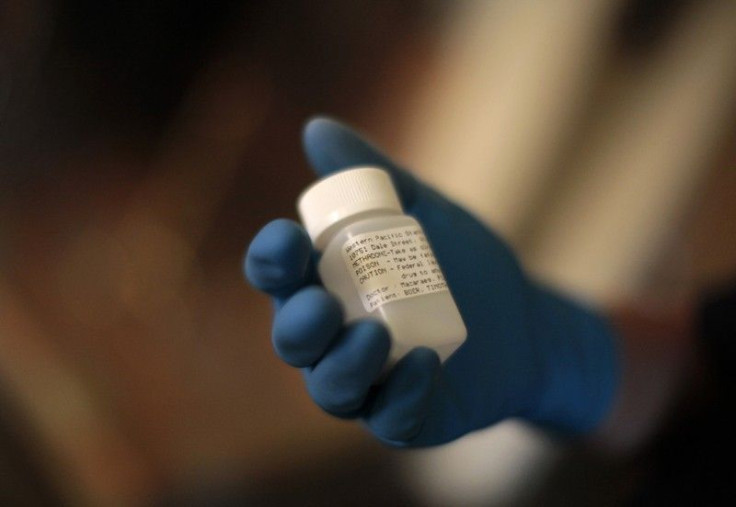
(305, 325)
(399, 409)
(331, 146)
(341, 381)
(279, 259)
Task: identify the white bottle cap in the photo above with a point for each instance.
(343, 194)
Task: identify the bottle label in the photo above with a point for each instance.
(392, 264)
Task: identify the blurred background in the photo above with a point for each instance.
(142, 145)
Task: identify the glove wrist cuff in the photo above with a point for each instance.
(578, 363)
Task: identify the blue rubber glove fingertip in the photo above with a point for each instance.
(398, 414)
(305, 325)
(278, 256)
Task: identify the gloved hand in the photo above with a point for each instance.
(529, 353)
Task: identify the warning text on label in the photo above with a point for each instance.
(392, 264)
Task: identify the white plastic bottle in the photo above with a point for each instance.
(378, 262)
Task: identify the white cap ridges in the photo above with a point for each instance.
(344, 194)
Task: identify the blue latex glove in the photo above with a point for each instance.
(529, 353)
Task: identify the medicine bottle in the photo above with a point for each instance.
(378, 262)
